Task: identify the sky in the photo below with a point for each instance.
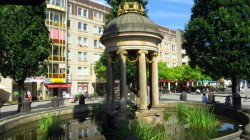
(173, 14)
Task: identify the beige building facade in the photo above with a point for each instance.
(85, 27)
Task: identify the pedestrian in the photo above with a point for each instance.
(204, 98)
(29, 95)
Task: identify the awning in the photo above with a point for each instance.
(2, 86)
(57, 85)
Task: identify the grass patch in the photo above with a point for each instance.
(140, 130)
(51, 127)
(197, 118)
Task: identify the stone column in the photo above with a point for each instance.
(143, 80)
(110, 83)
(123, 81)
(155, 82)
(169, 84)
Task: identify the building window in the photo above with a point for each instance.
(96, 57)
(79, 26)
(97, 16)
(68, 54)
(85, 56)
(85, 41)
(79, 56)
(69, 9)
(85, 13)
(79, 40)
(82, 26)
(68, 39)
(97, 30)
(85, 27)
(96, 44)
(82, 12)
(79, 72)
(100, 30)
(68, 23)
(85, 71)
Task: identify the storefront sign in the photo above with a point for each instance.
(34, 79)
(57, 80)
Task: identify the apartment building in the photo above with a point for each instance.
(85, 26)
(55, 82)
(169, 47)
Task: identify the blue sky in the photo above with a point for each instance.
(173, 14)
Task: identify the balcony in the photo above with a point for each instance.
(55, 75)
(57, 41)
(58, 8)
(52, 23)
(57, 58)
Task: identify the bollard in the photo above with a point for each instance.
(26, 105)
(236, 100)
(55, 101)
(183, 97)
(82, 100)
(211, 98)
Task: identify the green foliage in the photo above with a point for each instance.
(98, 111)
(217, 38)
(179, 73)
(51, 126)
(24, 42)
(15, 93)
(197, 118)
(140, 130)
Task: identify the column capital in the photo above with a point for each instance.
(143, 51)
(154, 54)
(124, 52)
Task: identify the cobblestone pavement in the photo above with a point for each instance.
(9, 110)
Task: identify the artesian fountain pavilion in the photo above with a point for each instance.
(132, 34)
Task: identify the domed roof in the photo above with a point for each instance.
(131, 22)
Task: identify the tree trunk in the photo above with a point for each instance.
(21, 95)
(234, 85)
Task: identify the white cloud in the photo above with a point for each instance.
(103, 2)
(191, 2)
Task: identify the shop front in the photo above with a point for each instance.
(57, 87)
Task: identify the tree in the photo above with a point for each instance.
(25, 43)
(218, 40)
(115, 4)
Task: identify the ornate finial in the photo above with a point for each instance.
(130, 7)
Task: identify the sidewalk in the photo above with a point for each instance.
(9, 110)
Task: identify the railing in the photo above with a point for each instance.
(55, 75)
(56, 58)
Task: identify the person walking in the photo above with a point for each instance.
(204, 98)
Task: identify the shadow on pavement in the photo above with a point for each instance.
(46, 105)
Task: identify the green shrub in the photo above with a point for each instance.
(140, 130)
(51, 126)
(197, 118)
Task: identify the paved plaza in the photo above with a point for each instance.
(9, 110)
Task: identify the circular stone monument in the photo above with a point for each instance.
(132, 35)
